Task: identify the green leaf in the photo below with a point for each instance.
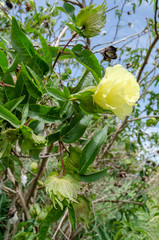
(36, 78)
(11, 105)
(76, 128)
(14, 64)
(85, 81)
(46, 50)
(9, 89)
(2, 45)
(30, 141)
(53, 137)
(16, 159)
(43, 113)
(25, 112)
(94, 176)
(56, 93)
(72, 162)
(2, 96)
(88, 60)
(21, 235)
(3, 61)
(53, 216)
(38, 65)
(72, 216)
(66, 109)
(86, 101)
(102, 232)
(69, 9)
(32, 88)
(9, 117)
(36, 126)
(21, 43)
(19, 85)
(91, 149)
(75, 29)
(31, 236)
(67, 92)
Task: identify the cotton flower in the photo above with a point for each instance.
(118, 91)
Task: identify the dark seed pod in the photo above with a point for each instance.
(109, 53)
(46, 23)
(28, 7)
(119, 185)
(128, 65)
(129, 13)
(154, 164)
(9, 4)
(143, 178)
(148, 161)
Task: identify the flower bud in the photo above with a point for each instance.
(60, 188)
(82, 209)
(34, 167)
(91, 20)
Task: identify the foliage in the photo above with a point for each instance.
(64, 154)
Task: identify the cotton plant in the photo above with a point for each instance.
(49, 120)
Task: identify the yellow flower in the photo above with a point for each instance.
(118, 91)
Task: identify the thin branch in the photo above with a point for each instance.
(147, 57)
(148, 26)
(122, 9)
(74, 3)
(7, 189)
(153, 79)
(117, 201)
(135, 119)
(23, 203)
(61, 82)
(148, 74)
(155, 20)
(112, 8)
(60, 52)
(5, 11)
(61, 35)
(52, 8)
(29, 192)
(83, 3)
(60, 224)
(61, 153)
(6, 234)
(121, 40)
(123, 125)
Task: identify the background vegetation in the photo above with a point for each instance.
(66, 173)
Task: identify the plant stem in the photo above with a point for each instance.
(60, 52)
(61, 153)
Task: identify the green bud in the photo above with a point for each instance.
(60, 188)
(82, 209)
(34, 167)
(91, 20)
